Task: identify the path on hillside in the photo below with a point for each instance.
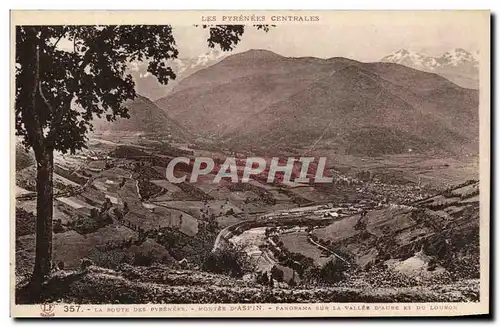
(327, 249)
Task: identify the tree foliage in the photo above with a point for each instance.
(230, 260)
(334, 271)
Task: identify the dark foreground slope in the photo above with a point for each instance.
(158, 284)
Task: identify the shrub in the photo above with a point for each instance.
(85, 225)
(277, 274)
(143, 260)
(333, 271)
(229, 260)
(262, 278)
(311, 274)
(57, 226)
(448, 194)
(147, 189)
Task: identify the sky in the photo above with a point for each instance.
(366, 40)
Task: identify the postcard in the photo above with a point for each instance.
(250, 163)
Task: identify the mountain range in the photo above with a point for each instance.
(457, 65)
(147, 85)
(261, 99)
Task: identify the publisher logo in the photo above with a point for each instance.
(47, 309)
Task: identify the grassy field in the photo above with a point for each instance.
(199, 209)
(60, 210)
(310, 193)
(225, 221)
(338, 230)
(297, 241)
(167, 217)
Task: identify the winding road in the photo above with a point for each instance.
(274, 217)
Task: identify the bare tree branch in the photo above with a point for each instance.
(60, 37)
(47, 103)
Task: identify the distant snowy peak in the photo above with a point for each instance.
(455, 57)
(147, 84)
(476, 55)
(457, 65)
(458, 57)
(403, 55)
(182, 65)
(202, 61)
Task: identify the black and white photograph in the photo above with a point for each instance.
(260, 161)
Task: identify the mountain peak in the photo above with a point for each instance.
(257, 54)
(406, 57)
(458, 56)
(401, 54)
(202, 61)
(457, 64)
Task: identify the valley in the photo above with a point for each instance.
(379, 224)
(399, 222)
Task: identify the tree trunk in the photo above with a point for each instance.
(44, 208)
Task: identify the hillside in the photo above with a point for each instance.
(437, 235)
(145, 117)
(159, 284)
(167, 232)
(224, 97)
(258, 98)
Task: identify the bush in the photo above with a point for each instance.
(448, 194)
(432, 265)
(277, 274)
(57, 226)
(230, 261)
(262, 278)
(311, 274)
(147, 189)
(143, 260)
(333, 272)
(85, 225)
